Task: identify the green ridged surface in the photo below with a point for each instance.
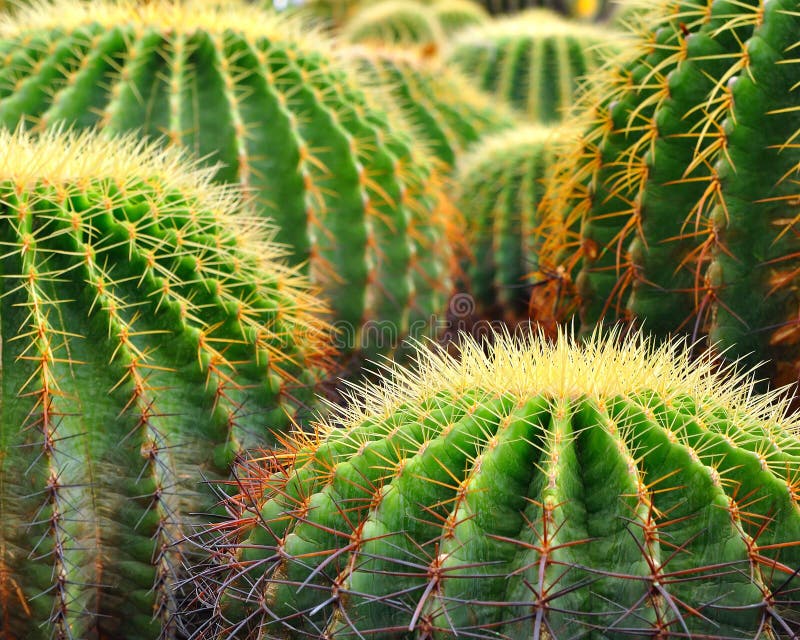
(531, 493)
(533, 60)
(148, 337)
(353, 198)
(687, 181)
(394, 21)
(455, 15)
(445, 112)
(499, 187)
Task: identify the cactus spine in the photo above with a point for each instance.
(499, 186)
(686, 181)
(441, 106)
(148, 335)
(528, 493)
(534, 60)
(349, 193)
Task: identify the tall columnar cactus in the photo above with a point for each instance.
(534, 60)
(685, 185)
(394, 21)
(444, 110)
(499, 186)
(350, 195)
(149, 333)
(541, 491)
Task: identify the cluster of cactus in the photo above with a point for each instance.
(252, 94)
(534, 60)
(149, 334)
(683, 189)
(499, 185)
(539, 491)
(446, 113)
(161, 315)
(394, 21)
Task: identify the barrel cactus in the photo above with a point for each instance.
(442, 107)
(150, 332)
(534, 60)
(261, 99)
(394, 21)
(684, 188)
(455, 15)
(580, 9)
(499, 186)
(539, 490)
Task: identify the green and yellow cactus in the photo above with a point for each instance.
(684, 188)
(534, 60)
(499, 186)
(578, 9)
(150, 332)
(260, 97)
(394, 22)
(445, 112)
(455, 15)
(537, 491)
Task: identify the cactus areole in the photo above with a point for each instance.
(541, 490)
(261, 98)
(149, 332)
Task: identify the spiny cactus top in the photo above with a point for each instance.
(250, 90)
(499, 185)
(441, 105)
(394, 21)
(685, 186)
(534, 60)
(531, 492)
(149, 332)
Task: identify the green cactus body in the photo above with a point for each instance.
(358, 205)
(537, 490)
(455, 15)
(533, 60)
(148, 336)
(445, 112)
(499, 186)
(394, 21)
(692, 189)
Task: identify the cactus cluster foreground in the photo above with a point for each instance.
(260, 97)
(540, 490)
(150, 332)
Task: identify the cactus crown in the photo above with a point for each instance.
(126, 169)
(600, 368)
(523, 489)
